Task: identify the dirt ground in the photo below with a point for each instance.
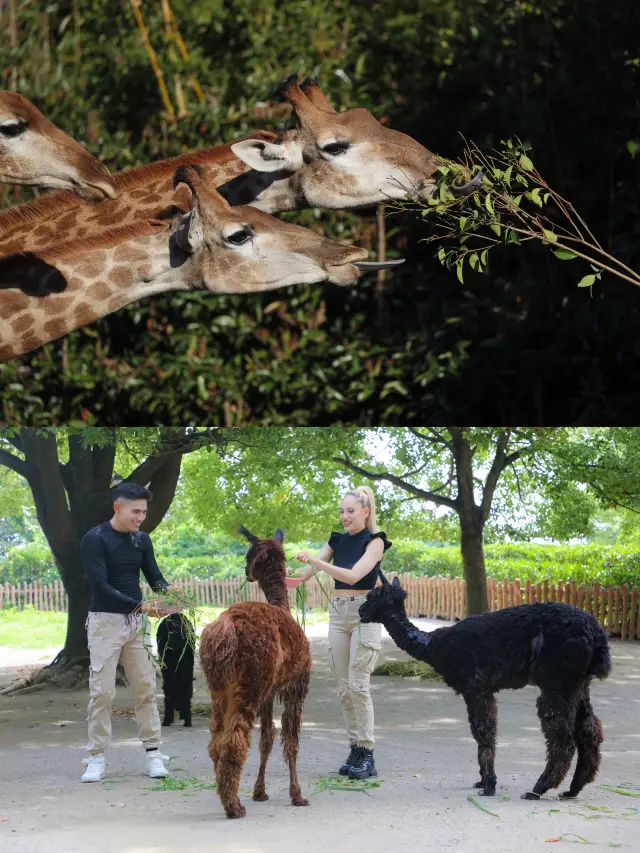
(425, 755)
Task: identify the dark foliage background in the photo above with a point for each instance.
(519, 344)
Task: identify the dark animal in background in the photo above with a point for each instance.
(554, 646)
(177, 656)
(250, 655)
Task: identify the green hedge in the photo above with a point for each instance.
(580, 563)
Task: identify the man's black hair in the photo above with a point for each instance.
(131, 492)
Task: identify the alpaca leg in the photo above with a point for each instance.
(483, 720)
(557, 715)
(186, 715)
(229, 747)
(168, 711)
(267, 736)
(589, 736)
(293, 698)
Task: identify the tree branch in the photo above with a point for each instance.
(439, 500)
(500, 462)
(434, 438)
(18, 465)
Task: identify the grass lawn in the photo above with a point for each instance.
(39, 629)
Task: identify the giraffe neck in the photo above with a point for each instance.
(45, 296)
(143, 193)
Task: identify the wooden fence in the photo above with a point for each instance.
(615, 607)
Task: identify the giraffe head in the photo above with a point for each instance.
(241, 249)
(334, 160)
(34, 151)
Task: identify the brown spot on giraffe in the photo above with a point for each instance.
(128, 252)
(56, 328)
(85, 314)
(54, 305)
(99, 291)
(23, 322)
(13, 303)
(122, 276)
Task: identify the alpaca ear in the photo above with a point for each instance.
(395, 582)
(242, 531)
(279, 535)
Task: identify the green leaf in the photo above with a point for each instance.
(507, 175)
(513, 238)
(459, 271)
(587, 281)
(551, 237)
(463, 222)
(545, 197)
(526, 163)
(564, 254)
(495, 228)
(442, 255)
(488, 204)
(483, 257)
(535, 196)
(474, 260)
(517, 199)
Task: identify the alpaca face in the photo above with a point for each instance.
(266, 557)
(383, 602)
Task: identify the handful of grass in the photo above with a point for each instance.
(180, 601)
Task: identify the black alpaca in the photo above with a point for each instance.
(176, 655)
(554, 646)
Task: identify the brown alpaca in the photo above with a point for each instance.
(250, 655)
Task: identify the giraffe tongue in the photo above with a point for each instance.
(367, 266)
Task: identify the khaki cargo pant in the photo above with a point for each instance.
(354, 649)
(115, 636)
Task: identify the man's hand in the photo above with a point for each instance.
(158, 609)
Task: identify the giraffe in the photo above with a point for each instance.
(330, 159)
(34, 151)
(214, 246)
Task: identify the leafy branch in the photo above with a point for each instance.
(507, 201)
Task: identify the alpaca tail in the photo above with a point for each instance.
(601, 660)
(218, 650)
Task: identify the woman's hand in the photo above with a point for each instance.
(304, 557)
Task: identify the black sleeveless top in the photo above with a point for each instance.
(348, 548)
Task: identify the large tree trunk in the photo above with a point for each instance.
(475, 575)
(471, 525)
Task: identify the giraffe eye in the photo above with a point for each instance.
(240, 237)
(13, 128)
(335, 148)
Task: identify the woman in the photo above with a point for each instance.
(353, 647)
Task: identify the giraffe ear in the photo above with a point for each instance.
(263, 156)
(190, 235)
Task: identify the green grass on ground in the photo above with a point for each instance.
(39, 629)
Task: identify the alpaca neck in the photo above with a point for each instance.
(409, 638)
(275, 592)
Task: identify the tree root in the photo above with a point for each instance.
(64, 672)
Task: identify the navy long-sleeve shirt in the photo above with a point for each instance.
(113, 561)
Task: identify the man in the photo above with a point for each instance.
(113, 554)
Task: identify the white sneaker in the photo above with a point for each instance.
(95, 768)
(155, 766)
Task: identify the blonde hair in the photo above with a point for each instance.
(364, 495)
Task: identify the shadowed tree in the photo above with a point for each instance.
(70, 473)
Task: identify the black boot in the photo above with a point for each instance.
(344, 770)
(363, 766)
